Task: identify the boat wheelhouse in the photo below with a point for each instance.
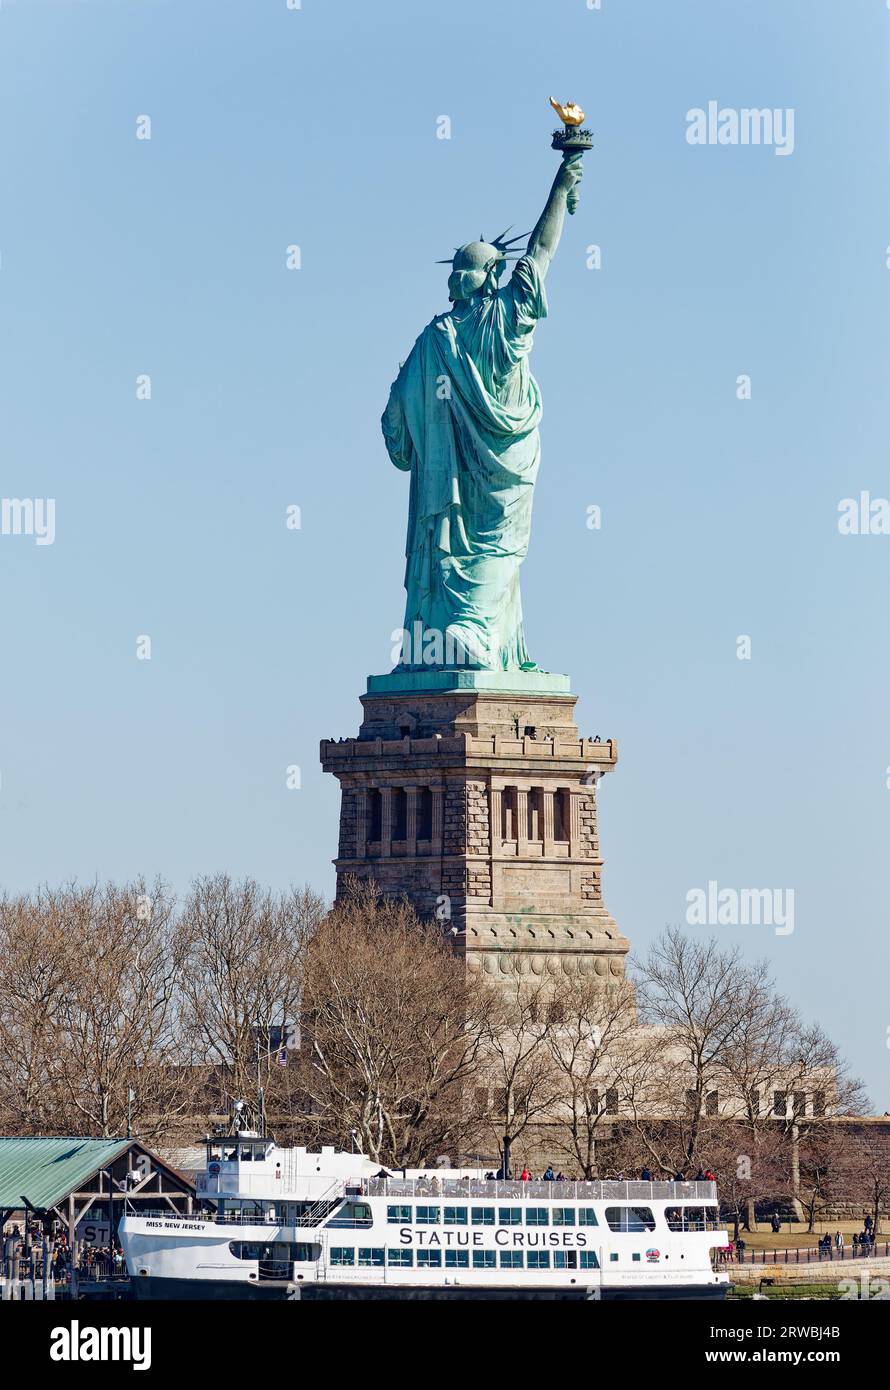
(289, 1223)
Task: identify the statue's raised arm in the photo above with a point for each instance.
(545, 237)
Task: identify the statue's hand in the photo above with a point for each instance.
(570, 176)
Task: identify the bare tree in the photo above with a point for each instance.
(732, 1058)
(820, 1178)
(243, 952)
(522, 1080)
(751, 1165)
(594, 1045)
(817, 1087)
(753, 1064)
(866, 1169)
(88, 1019)
(392, 1030)
(693, 997)
(34, 964)
(118, 1048)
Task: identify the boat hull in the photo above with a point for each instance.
(154, 1289)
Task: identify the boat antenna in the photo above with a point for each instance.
(260, 1099)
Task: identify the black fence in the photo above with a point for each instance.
(808, 1255)
(91, 1269)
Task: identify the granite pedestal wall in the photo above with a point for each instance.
(480, 807)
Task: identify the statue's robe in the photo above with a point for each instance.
(463, 418)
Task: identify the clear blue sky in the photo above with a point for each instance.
(317, 127)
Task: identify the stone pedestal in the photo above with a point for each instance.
(480, 807)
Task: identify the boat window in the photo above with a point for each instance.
(429, 1259)
(280, 1250)
(371, 1257)
(510, 1216)
(398, 1216)
(563, 1216)
(589, 1260)
(483, 1216)
(455, 1216)
(538, 1259)
(565, 1259)
(457, 1259)
(537, 1216)
(692, 1218)
(249, 1250)
(342, 1255)
(400, 1258)
(587, 1217)
(484, 1259)
(352, 1214)
(511, 1259)
(630, 1219)
(428, 1216)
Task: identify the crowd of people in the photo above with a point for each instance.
(863, 1242)
(548, 1175)
(23, 1253)
(526, 1175)
(431, 1185)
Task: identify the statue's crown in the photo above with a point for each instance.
(482, 254)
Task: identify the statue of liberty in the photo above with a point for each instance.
(463, 419)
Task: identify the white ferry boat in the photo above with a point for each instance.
(288, 1223)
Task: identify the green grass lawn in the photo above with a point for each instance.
(795, 1237)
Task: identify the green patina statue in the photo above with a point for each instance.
(463, 419)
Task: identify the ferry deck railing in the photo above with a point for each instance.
(461, 1189)
(500, 1190)
(274, 1215)
(221, 1218)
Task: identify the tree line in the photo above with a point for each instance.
(123, 1010)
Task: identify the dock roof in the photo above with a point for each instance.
(46, 1170)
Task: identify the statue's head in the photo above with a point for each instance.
(478, 266)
